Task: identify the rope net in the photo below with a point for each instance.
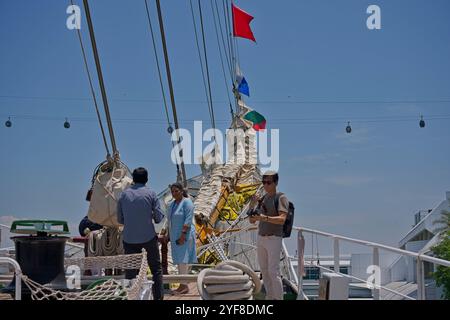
(111, 289)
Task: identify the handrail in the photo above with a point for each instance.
(423, 257)
(18, 275)
(292, 273)
(363, 281)
(421, 222)
(291, 267)
(205, 247)
(420, 257)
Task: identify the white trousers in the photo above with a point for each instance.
(269, 251)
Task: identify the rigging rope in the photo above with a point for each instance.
(226, 49)
(206, 63)
(229, 35)
(100, 78)
(220, 54)
(169, 124)
(92, 90)
(157, 65)
(201, 61)
(172, 97)
(223, 40)
(237, 96)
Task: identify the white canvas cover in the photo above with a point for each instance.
(106, 190)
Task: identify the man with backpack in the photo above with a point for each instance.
(271, 211)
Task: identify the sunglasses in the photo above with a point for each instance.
(267, 182)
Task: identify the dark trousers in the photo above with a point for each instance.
(154, 262)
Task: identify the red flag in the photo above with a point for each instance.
(241, 23)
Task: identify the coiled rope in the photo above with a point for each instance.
(229, 280)
(105, 242)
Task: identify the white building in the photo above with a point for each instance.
(398, 272)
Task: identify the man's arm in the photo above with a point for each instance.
(120, 218)
(252, 207)
(279, 219)
(283, 207)
(158, 215)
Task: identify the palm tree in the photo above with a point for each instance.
(443, 223)
(442, 251)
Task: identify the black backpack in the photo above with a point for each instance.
(289, 222)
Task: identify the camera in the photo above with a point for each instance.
(253, 212)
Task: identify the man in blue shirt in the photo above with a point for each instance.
(136, 208)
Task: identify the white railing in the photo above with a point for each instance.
(16, 266)
(292, 272)
(376, 247)
(4, 226)
(18, 275)
(369, 284)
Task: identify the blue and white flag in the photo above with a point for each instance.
(242, 83)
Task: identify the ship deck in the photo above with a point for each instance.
(192, 295)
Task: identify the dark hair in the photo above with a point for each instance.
(140, 175)
(179, 186)
(274, 176)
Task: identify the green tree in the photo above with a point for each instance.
(442, 251)
(443, 223)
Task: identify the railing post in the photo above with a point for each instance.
(18, 285)
(300, 249)
(420, 264)
(336, 255)
(377, 269)
(18, 275)
(420, 279)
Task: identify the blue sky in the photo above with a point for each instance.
(313, 59)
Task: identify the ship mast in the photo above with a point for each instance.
(101, 82)
(172, 97)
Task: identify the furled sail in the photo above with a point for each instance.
(227, 188)
(109, 180)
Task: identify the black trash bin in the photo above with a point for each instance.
(40, 253)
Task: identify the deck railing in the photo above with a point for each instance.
(17, 273)
(337, 239)
(376, 247)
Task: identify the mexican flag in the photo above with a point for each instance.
(250, 117)
(257, 120)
